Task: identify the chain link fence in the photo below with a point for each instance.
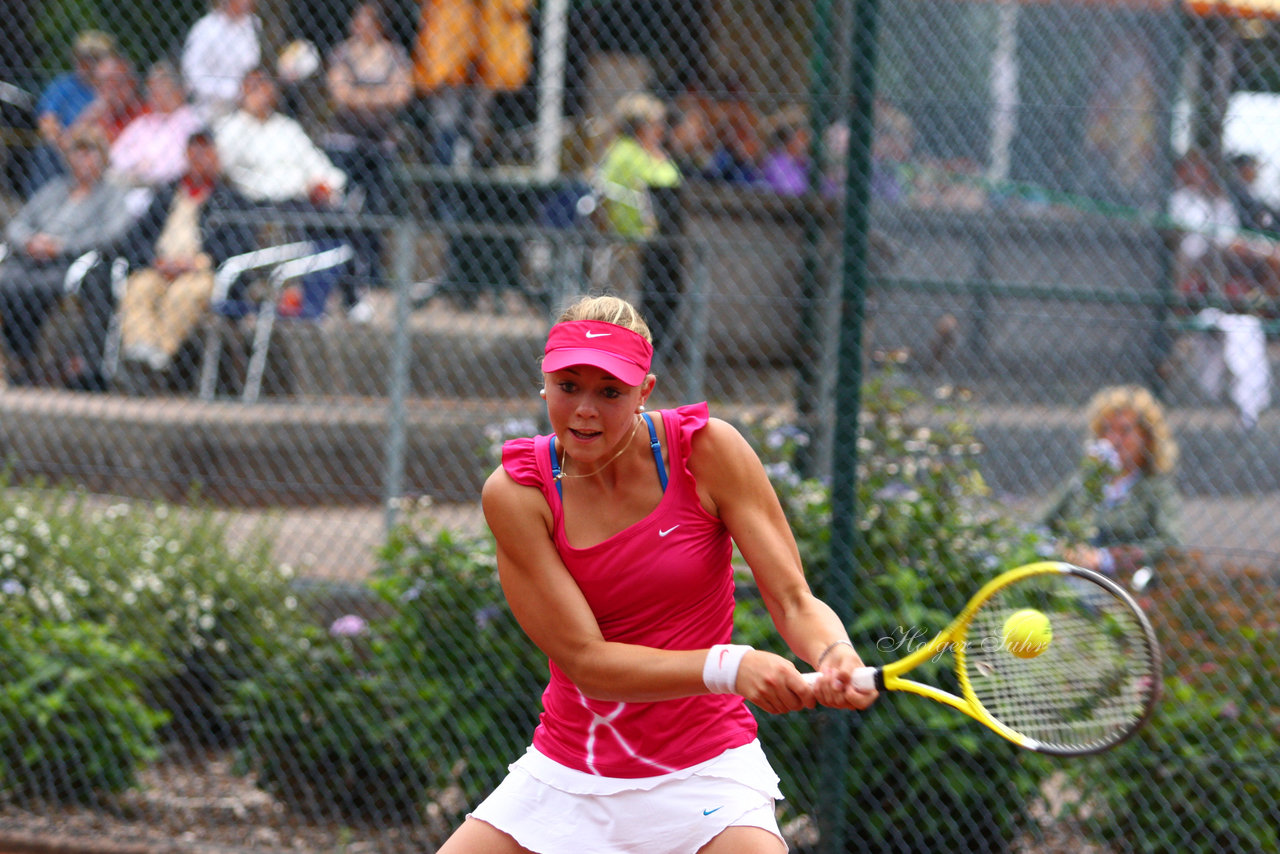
(277, 275)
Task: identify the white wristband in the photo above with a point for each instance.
(720, 670)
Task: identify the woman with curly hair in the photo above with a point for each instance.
(1120, 511)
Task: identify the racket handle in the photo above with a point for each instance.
(864, 678)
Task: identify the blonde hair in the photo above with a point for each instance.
(92, 45)
(608, 309)
(634, 111)
(1162, 451)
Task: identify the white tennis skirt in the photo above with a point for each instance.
(551, 809)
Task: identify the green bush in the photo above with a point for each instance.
(921, 777)
(1201, 776)
(155, 575)
(72, 724)
(439, 693)
(333, 733)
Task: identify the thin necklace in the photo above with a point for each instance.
(564, 453)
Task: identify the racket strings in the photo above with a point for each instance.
(1093, 684)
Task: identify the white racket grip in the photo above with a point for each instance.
(864, 679)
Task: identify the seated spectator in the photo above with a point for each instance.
(181, 245)
(117, 102)
(268, 157)
(270, 160)
(219, 50)
(738, 149)
(1254, 214)
(62, 103)
(786, 166)
(152, 149)
(892, 145)
(1235, 276)
(68, 216)
(1121, 512)
(690, 138)
(638, 183)
(369, 83)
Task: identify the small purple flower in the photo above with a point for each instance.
(486, 615)
(348, 626)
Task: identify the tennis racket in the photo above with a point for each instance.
(1095, 683)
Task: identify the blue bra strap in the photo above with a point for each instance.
(657, 450)
(555, 467)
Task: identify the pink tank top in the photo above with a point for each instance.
(664, 582)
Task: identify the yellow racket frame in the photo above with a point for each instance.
(890, 677)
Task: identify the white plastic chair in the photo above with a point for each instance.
(281, 264)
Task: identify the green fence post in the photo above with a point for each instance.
(808, 351)
(837, 726)
(1161, 337)
(397, 429)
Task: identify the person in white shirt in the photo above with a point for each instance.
(220, 49)
(270, 160)
(268, 156)
(1218, 263)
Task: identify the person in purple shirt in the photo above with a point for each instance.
(786, 167)
(61, 104)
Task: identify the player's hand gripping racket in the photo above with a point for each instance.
(1053, 657)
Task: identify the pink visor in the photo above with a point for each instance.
(611, 348)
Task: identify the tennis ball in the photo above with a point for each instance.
(1027, 633)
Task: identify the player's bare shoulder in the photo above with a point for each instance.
(509, 505)
(719, 441)
(720, 457)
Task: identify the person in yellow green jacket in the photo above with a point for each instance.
(638, 181)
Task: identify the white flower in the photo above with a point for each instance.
(1104, 452)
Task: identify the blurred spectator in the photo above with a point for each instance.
(465, 52)
(638, 182)
(1254, 214)
(67, 217)
(117, 102)
(738, 149)
(1120, 512)
(369, 83)
(690, 139)
(61, 104)
(786, 166)
(1236, 276)
(179, 246)
(220, 49)
(269, 158)
(152, 149)
(301, 92)
(892, 145)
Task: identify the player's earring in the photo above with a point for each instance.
(542, 392)
(640, 408)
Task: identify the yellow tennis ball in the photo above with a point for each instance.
(1027, 633)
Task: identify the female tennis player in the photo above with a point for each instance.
(614, 538)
